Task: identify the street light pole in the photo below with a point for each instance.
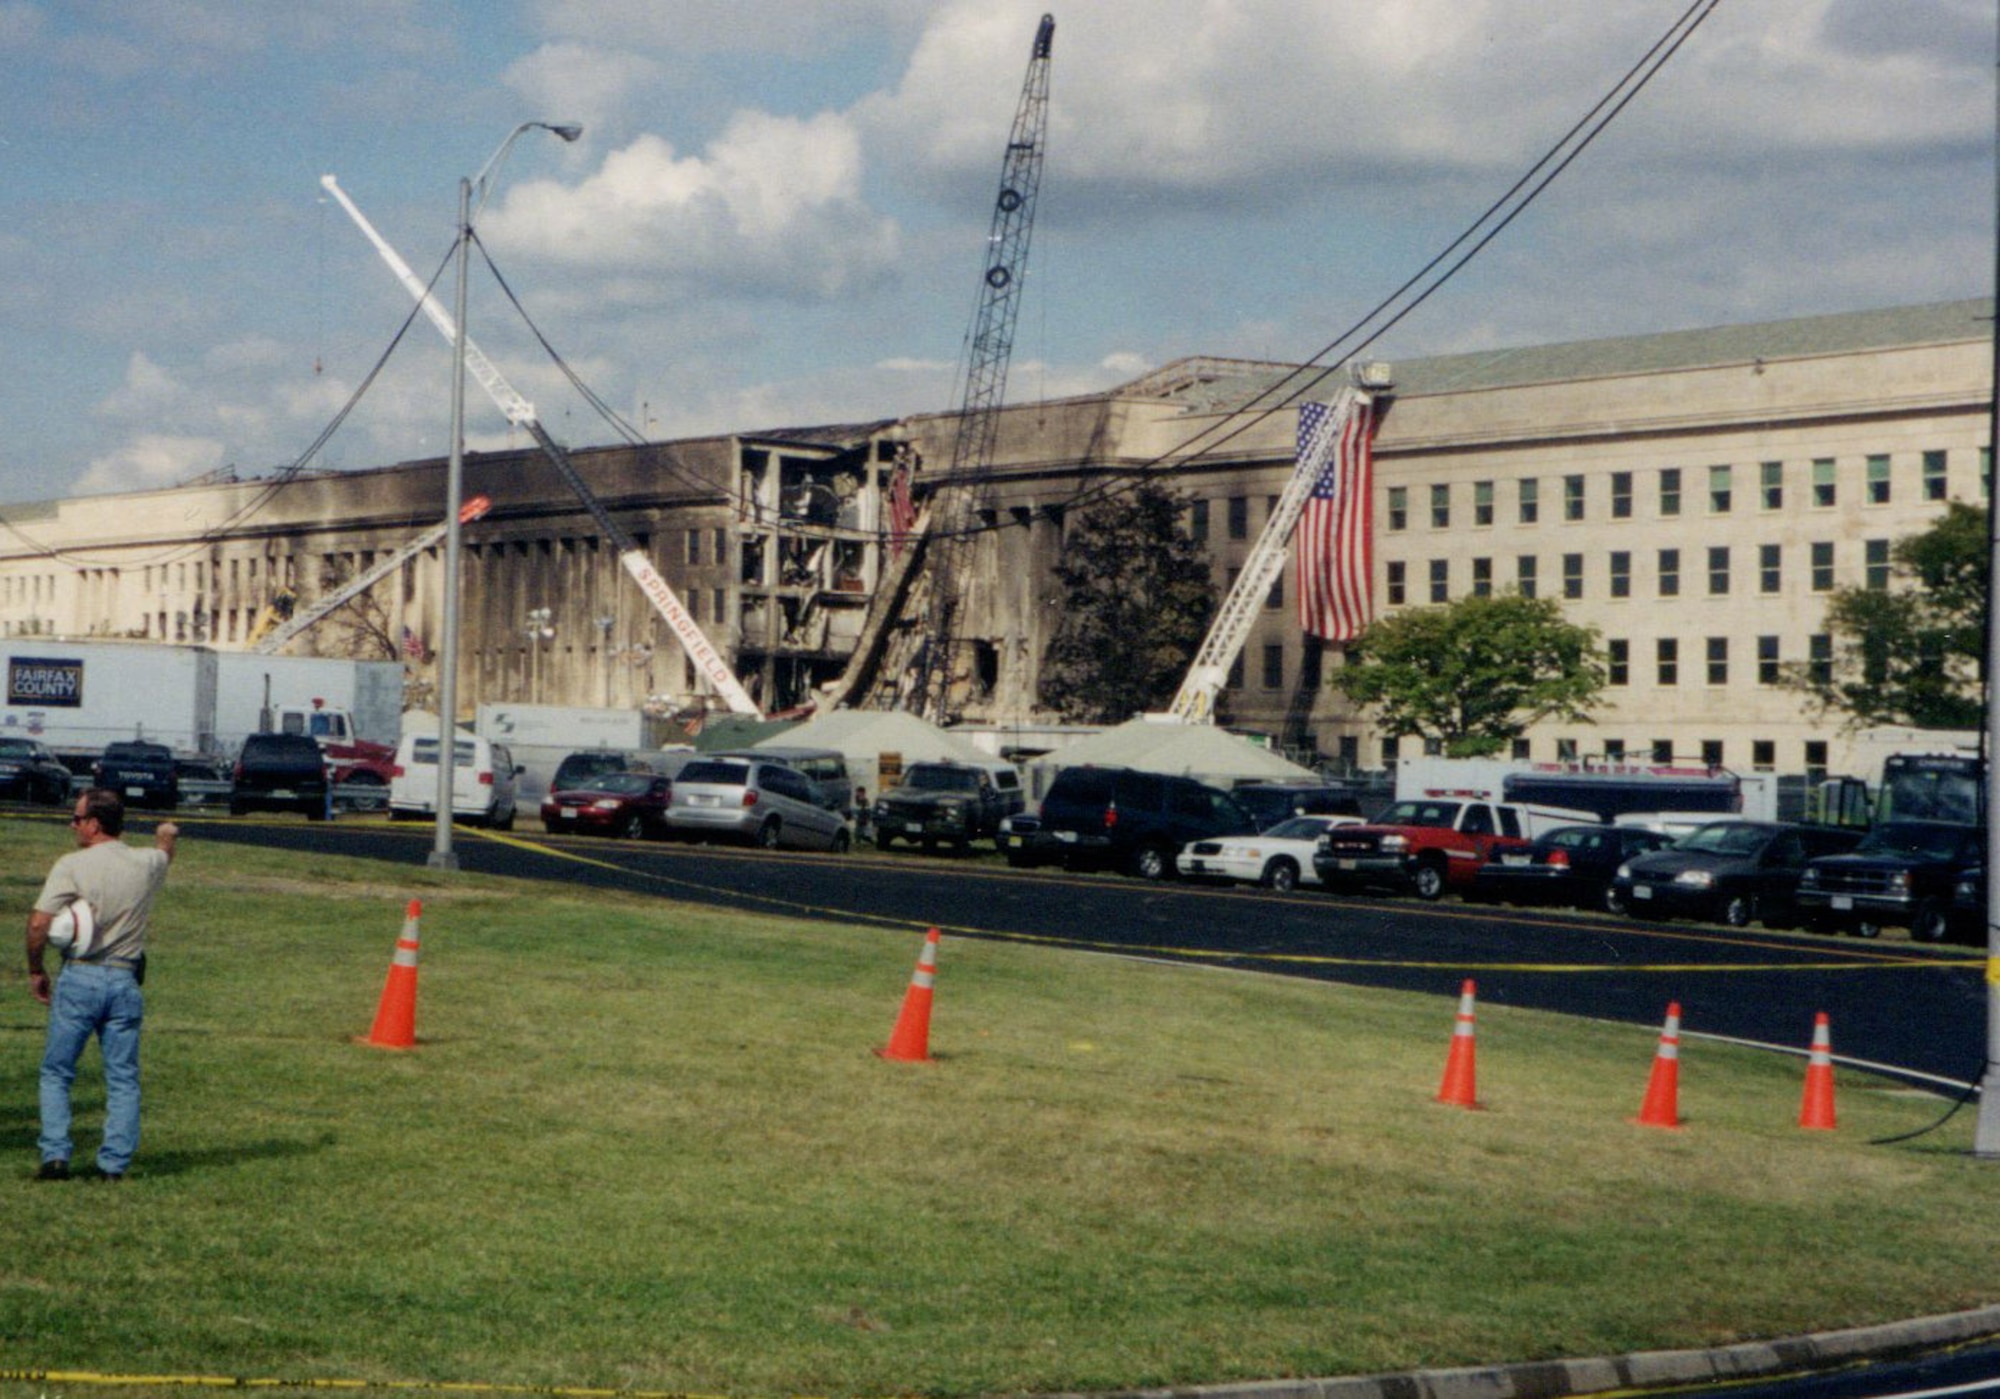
(443, 857)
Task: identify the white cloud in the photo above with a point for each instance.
(150, 460)
(582, 83)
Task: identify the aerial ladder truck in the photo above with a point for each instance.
(518, 411)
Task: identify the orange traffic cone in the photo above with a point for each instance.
(1816, 1110)
(1662, 1106)
(911, 1039)
(1459, 1073)
(396, 1016)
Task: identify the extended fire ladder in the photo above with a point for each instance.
(1206, 677)
(521, 413)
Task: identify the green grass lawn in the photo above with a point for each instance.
(643, 1145)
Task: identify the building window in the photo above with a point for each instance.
(1875, 565)
(1621, 573)
(1936, 482)
(1621, 495)
(693, 558)
(1399, 507)
(1663, 750)
(1670, 573)
(1275, 599)
(1770, 568)
(1198, 521)
(1771, 485)
(1440, 580)
(1614, 750)
(1572, 576)
(1667, 660)
(1239, 517)
(1878, 480)
(1816, 768)
(1822, 567)
(1670, 491)
(1531, 500)
(1482, 578)
(1565, 750)
(1768, 671)
(1711, 752)
(1718, 660)
(1274, 667)
(1618, 662)
(1720, 489)
(1763, 755)
(1389, 750)
(1519, 750)
(1524, 575)
(1824, 494)
(1572, 497)
(1819, 658)
(1395, 582)
(1482, 502)
(1441, 506)
(1718, 571)
(1235, 680)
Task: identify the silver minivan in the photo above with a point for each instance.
(763, 803)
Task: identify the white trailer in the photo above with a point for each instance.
(540, 736)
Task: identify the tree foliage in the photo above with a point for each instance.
(1476, 673)
(1136, 600)
(1912, 653)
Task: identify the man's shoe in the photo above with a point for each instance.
(55, 1168)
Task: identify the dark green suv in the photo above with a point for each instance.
(1119, 818)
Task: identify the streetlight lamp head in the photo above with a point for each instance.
(568, 130)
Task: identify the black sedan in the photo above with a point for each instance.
(1568, 865)
(1732, 872)
(629, 804)
(30, 772)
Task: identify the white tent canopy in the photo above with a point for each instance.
(1200, 751)
(864, 736)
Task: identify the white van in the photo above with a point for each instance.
(483, 781)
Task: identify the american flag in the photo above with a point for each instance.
(413, 646)
(1336, 544)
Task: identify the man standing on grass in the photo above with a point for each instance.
(98, 992)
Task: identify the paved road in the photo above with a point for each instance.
(1920, 1011)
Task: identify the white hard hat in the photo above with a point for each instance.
(74, 930)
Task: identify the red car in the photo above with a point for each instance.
(628, 804)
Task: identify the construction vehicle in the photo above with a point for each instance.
(519, 412)
(1206, 677)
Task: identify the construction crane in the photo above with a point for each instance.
(707, 659)
(1209, 673)
(270, 642)
(989, 346)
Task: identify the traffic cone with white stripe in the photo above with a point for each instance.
(911, 1040)
(1662, 1105)
(396, 1015)
(1816, 1109)
(1460, 1074)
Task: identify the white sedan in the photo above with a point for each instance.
(1280, 858)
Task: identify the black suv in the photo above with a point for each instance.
(1902, 875)
(1121, 819)
(281, 772)
(142, 773)
(946, 803)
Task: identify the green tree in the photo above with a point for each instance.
(1136, 599)
(1476, 673)
(1912, 653)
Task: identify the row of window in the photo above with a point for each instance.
(1715, 660)
(1718, 564)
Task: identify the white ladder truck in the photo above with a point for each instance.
(1209, 673)
(707, 659)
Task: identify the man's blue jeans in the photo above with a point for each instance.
(106, 1002)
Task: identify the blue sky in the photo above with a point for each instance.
(777, 211)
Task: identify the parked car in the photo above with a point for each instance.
(1119, 818)
(1733, 872)
(580, 768)
(1278, 858)
(946, 803)
(1271, 802)
(140, 772)
(484, 781)
(281, 772)
(1903, 874)
(1569, 865)
(763, 803)
(628, 804)
(31, 772)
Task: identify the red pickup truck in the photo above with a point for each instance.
(1432, 845)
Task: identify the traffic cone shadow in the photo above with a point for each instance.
(1816, 1108)
(1459, 1088)
(1662, 1105)
(396, 1014)
(911, 1040)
